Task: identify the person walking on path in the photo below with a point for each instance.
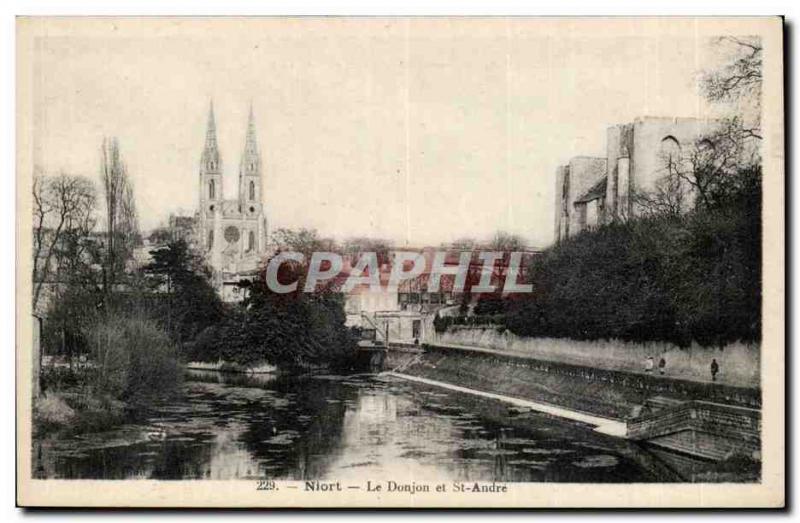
(714, 369)
(648, 365)
(662, 363)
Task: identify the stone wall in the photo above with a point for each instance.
(581, 174)
(649, 134)
(739, 363)
(608, 393)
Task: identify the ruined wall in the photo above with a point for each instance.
(648, 138)
(584, 173)
(619, 144)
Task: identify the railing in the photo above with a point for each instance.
(730, 421)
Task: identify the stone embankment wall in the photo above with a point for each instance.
(739, 363)
(608, 393)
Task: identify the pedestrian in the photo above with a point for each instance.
(714, 369)
(648, 365)
(662, 363)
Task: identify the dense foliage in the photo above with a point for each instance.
(133, 360)
(302, 332)
(673, 277)
(297, 330)
(186, 302)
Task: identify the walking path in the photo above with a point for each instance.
(579, 362)
(602, 425)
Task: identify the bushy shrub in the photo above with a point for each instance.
(65, 378)
(135, 359)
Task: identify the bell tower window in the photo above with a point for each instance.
(251, 241)
(212, 190)
(252, 190)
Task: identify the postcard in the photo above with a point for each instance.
(387, 262)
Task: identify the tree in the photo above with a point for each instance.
(462, 244)
(506, 242)
(305, 241)
(353, 247)
(293, 329)
(122, 232)
(670, 195)
(738, 80)
(181, 276)
(710, 171)
(717, 166)
(63, 209)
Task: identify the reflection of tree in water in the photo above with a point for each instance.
(227, 426)
(237, 426)
(295, 437)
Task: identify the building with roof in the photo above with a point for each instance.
(591, 191)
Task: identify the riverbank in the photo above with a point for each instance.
(71, 413)
(739, 363)
(598, 392)
(225, 366)
(592, 399)
(531, 416)
(342, 427)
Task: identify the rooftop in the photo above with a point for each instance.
(598, 190)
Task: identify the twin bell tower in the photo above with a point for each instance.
(232, 232)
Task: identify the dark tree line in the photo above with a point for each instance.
(677, 278)
(294, 330)
(688, 268)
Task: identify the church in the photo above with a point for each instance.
(232, 232)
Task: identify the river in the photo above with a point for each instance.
(349, 428)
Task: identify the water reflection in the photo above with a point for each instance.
(351, 428)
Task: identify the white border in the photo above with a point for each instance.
(300, 7)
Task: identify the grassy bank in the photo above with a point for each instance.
(66, 413)
(132, 365)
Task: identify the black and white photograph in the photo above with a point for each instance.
(400, 262)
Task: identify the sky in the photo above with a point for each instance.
(421, 131)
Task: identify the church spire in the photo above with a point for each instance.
(250, 169)
(210, 159)
(251, 161)
(250, 145)
(211, 128)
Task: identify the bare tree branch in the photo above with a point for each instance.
(63, 208)
(739, 80)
